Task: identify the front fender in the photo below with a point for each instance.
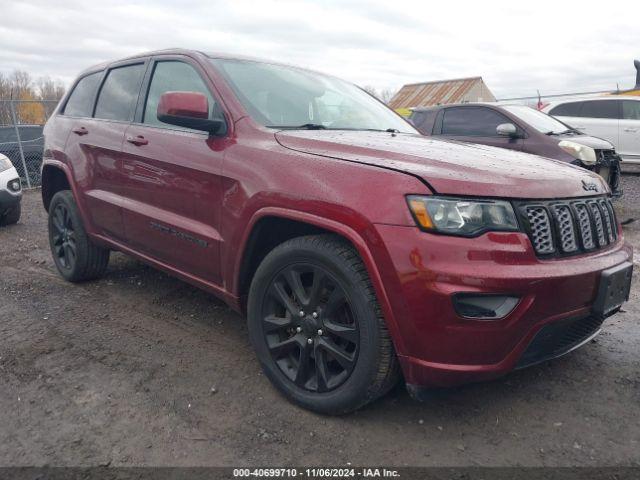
(367, 242)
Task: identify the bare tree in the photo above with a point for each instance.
(20, 86)
(386, 94)
(382, 94)
(49, 89)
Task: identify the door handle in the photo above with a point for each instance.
(631, 130)
(580, 128)
(80, 131)
(138, 140)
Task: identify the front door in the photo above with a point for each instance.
(476, 124)
(172, 185)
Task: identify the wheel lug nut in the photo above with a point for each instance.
(301, 313)
(309, 341)
(298, 329)
(315, 315)
(320, 332)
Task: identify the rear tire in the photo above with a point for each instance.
(12, 216)
(76, 257)
(323, 342)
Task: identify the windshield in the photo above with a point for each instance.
(538, 120)
(287, 97)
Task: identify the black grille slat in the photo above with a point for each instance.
(540, 230)
(557, 338)
(608, 220)
(599, 223)
(568, 227)
(584, 224)
(614, 221)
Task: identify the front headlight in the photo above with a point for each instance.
(5, 163)
(467, 218)
(578, 151)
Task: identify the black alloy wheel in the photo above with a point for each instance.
(76, 257)
(63, 237)
(310, 330)
(316, 326)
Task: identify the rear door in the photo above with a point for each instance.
(630, 130)
(94, 146)
(475, 124)
(172, 184)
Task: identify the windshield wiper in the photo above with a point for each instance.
(564, 132)
(305, 126)
(390, 130)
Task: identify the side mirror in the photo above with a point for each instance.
(188, 109)
(507, 130)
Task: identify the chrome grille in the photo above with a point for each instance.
(568, 227)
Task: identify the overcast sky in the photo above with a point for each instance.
(516, 46)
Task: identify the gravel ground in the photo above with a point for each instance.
(141, 369)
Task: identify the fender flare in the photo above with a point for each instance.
(340, 229)
(49, 162)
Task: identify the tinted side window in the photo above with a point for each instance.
(80, 103)
(571, 109)
(119, 93)
(601, 109)
(471, 121)
(630, 110)
(417, 118)
(172, 76)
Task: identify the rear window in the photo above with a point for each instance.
(630, 110)
(571, 109)
(80, 103)
(472, 121)
(601, 109)
(588, 109)
(119, 93)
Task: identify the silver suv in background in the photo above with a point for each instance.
(614, 118)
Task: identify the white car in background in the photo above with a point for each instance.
(10, 192)
(613, 117)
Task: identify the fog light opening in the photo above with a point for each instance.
(484, 307)
(14, 185)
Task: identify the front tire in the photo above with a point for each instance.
(12, 216)
(317, 328)
(76, 257)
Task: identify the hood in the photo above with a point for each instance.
(593, 142)
(450, 167)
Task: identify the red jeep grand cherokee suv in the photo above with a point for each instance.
(357, 247)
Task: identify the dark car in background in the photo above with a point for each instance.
(32, 143)
(518, 127)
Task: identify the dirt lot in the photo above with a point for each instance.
(120, 371)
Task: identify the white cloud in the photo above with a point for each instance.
(517, 48)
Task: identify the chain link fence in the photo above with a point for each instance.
(21, 124)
